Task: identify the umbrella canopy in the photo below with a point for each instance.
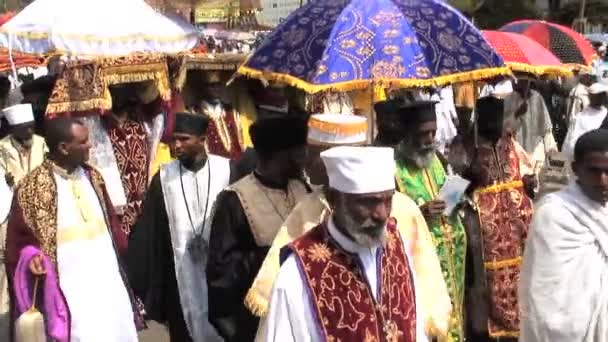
(92, 27)
(568, 45)
(19, 60)
(523, 54)
(349, 44)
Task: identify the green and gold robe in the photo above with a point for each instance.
(448, 233)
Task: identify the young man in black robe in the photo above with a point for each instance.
(247, 217)
(168, 249)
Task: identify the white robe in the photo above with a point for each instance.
(589, 119)
(89, 275)
(290, 316)
(578, 100)
(190, 273)
(563, 291)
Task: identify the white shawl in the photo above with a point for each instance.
(563, 292)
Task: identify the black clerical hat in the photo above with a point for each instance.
(490, 108)
(277, 134)
(193, 124)
(418, 112)
(391, 106)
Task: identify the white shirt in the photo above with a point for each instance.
(89, 275)
(290, 316)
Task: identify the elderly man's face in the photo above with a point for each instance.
(363, 216)
(419, 144)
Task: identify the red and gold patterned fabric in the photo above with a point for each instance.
(505, 213)
(130, 143)
(568, 45)
(524, 54)
(224, 136)
(345, 307)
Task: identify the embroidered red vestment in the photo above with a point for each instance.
(224, 137)
(341, 298)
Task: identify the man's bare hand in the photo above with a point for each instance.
(433, 209)
(36, 266)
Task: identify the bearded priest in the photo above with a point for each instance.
(349, 279)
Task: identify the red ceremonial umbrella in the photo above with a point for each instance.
(21, 60)
(524, 54)
(568, 45)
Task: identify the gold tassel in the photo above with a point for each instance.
(258, 305)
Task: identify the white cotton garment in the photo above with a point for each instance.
(89, 275)
(563, 290)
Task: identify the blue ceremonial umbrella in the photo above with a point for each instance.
(351, 44)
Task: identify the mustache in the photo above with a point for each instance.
(370, 225)
(428, 147)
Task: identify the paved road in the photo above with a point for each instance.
(154, 333)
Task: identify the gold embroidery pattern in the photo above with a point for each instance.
(343, 300)
(37, 197)
(319, 253)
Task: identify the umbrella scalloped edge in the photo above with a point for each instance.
(474, 75)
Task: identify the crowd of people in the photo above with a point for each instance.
(317, 232)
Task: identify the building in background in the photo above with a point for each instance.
(227, 14)
(275, 11)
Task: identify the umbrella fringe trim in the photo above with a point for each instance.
(97, 39)
(56, 109)
(540, 70)
(474, 75)
(160, 78)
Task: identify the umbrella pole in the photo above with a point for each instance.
(476, 118)
(372, 94)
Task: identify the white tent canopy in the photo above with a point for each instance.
(95, 28)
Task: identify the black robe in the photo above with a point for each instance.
(151, 266)
(234, 261)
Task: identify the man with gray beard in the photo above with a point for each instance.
(420, 175)
(349, 278)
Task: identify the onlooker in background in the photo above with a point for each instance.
(589, 119)
(534, 125)
(224, 136)
(21, 151)
(38, 92)
(578, 99)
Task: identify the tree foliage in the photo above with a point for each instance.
(492, 14)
